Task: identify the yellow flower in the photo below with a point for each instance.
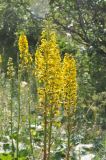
(48, 68)
(69, 82)
(25, 56)
(23, 44)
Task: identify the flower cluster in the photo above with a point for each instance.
(55, 78)
(48, 69)
(69, 83)
(25, 56)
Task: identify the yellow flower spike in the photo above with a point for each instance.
(49, 79)
(25, 56)
(23, 44)
(69, 94)
(69, 82)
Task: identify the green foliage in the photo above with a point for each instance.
(5, 157)
(9, 157)
(85, 84)
(16, 16)
(83, 20)
(101, 148)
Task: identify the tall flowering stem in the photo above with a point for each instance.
(25, 66)
(53, 83)
(69, 93)
(40, 73)
(48, 73)
(11, 76)
(41, 67)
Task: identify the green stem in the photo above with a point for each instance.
(68, 136)
(31, 146)
(18, 128)
(29, 116)
(11, 105)
(50, 133)
(45, 133)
